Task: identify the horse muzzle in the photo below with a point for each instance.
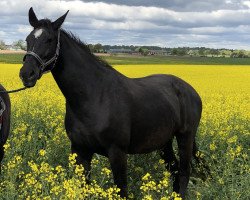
(29, 78)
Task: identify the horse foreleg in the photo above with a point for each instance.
(83, 158)
(118, 162)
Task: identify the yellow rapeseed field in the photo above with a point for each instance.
(38, 164)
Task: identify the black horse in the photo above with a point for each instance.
(110, 114)
(4, 120)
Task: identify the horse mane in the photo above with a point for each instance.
(85, 48)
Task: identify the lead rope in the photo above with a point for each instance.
(13, 91)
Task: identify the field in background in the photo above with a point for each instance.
(38, 141)
(138, 60)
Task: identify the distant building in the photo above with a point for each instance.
(129, 51)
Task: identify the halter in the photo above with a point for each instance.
(43, 69)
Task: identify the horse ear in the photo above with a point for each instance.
(58, 23)
(32, 18)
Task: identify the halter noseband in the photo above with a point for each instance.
(43, 69)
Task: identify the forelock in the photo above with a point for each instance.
(46, 23)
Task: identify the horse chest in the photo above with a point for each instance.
(80, 135)
(85, 133)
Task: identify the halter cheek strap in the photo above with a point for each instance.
(43, 69)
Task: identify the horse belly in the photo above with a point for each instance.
(153, 124)
(146, 141)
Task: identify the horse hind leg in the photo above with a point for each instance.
(172, 164)
(185, 145)
(1, 155)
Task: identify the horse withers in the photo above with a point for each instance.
(110, 114)
(4, 120)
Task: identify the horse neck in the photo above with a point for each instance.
(79, 73)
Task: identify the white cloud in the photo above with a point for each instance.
(136, 24)
(246, 3)
(24, 29)
(2, 34)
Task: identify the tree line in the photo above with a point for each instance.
(180, 51)
(20, 44)
(147, 50)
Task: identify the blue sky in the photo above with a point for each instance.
(175, 23)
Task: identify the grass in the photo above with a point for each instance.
(38, 140)
(11, 58)
(175, 60)
(142, 60)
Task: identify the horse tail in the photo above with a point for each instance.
(203, 169)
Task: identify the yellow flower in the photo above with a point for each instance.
(72, 159)
(146, 177)
(6, 146)
(232, 139)
(212, 147)
(161, 161)
(59, 169)
(105, 171)
(33, 166)
(176, 196)
(79, 170)
(42, 152)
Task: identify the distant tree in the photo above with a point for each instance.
(233, 55)
(192, 52)
(239, 54)
(98, 48)
(214, 52)
(20, 44)
(181, 51)
(201, 52)
(143, 51)
(242, 54)
(2, 45)
(223, 54)
(132, 47)
(174, 51)
(137, 49)
(91, 47)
